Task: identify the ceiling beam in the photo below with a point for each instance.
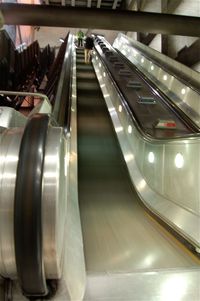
(125, 20)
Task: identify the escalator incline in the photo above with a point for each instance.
(118, 234)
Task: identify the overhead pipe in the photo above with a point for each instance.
(120, 20)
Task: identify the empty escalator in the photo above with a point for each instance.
(118, 233)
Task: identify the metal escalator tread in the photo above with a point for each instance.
(118, 234)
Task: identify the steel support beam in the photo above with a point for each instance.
(189, 56)
(42, 15)
(138, 36)
(147, 39)
(164, 44)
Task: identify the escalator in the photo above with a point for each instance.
(119, 235)
(129, 255)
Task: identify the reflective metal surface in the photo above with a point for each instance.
(170, 285)
(18, 93)
(159, 169)
(73, 281)
(148, 114)
(129, 256)
(179, 91)
(62, 237)
(74, 275)
(42, 107)
(9, 149)
(9, 118)
(182, 72)
(54, 202)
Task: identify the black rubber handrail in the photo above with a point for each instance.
(185, 118)
(138, 126)
(28, 208)
(184, 78)
(61, 110)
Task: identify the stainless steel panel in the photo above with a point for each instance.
(9, 118)
(181, 183)
(9, 151)
(129, 256)
(170, 285)
(180, 92)
(177, 204)
(73, 280)
(119, 236)
(54, 202)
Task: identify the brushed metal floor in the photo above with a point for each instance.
(119, 235)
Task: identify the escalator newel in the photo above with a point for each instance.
(28, 208)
